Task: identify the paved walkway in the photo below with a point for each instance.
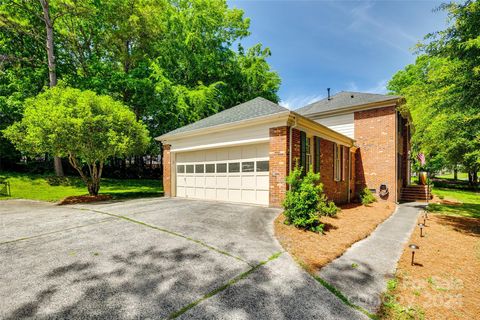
(362, 271)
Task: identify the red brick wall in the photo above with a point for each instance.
(375, 134)
(167, 182)
(278, 164)
(336, 191)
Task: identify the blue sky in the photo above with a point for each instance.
(344, 45)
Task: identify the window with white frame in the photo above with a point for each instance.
(337, 162)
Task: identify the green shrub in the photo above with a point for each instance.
(367, 197)
(305, 202)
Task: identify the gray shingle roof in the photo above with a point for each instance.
(252, 109)
(343, 99)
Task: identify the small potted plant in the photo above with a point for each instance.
(422, 175)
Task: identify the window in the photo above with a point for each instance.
(234, 167)
(210, 168)
(199, 168)
(316, 152)
(262, 166)
(221, 167)
(189, 168)
(180, 168)
(337, 162)
(248, 166)
(303, 151)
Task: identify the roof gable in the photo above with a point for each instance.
(255, 108)
(344, 100)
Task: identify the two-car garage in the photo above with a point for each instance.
(236, 174)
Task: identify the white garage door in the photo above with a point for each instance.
(237, 174)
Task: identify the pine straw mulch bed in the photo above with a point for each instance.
(353, 223)
(85, 199)
(444, 283)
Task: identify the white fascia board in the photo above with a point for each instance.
(228, 126)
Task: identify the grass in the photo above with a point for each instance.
(469, 202)
(392, 309)
(41, 187)
(449, 176)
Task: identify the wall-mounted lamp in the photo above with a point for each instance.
(414, 248)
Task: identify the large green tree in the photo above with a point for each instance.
(442, 91)
(171, 61)
(84, 127)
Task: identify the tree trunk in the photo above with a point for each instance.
(455, 174)
(52, 73)
(93, 188)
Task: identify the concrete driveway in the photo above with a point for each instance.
(152, 258)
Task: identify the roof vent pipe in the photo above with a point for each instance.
(328, 93)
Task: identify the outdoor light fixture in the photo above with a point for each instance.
(414, 247)
(421, 225)
(425, 214)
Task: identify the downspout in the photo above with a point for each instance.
(349, 173)
(396, 156)
(290, 145)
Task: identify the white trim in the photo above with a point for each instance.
(226, 126)
(222, 144)
(363, 107)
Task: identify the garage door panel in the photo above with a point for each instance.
(181, 192)
(180, 181)
(210, 182)
(249, 182)
(200, 193)
(190, 192)
(210, 174)
(262, 182)
(210, 193)
(249, 196)
(200, 182)
(235, 195)
(189, 181)
(222, 194)
(234, 182)
(262, 196)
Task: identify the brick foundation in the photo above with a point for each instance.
(167, 181)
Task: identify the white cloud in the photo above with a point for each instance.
(380, 87)
(295, 102)
(363, 22)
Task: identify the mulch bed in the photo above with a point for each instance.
(85, 199)
(353, 223)
(444, 283)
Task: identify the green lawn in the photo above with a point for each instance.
(460, 176)
(41, 187)
(469, 207)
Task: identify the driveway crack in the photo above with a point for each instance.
(53, 232)
(204, 244)
(223, 287)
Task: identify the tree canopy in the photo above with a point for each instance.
(442, 91)
(171, 61)
(81, 125)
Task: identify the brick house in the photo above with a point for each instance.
(243, 154)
